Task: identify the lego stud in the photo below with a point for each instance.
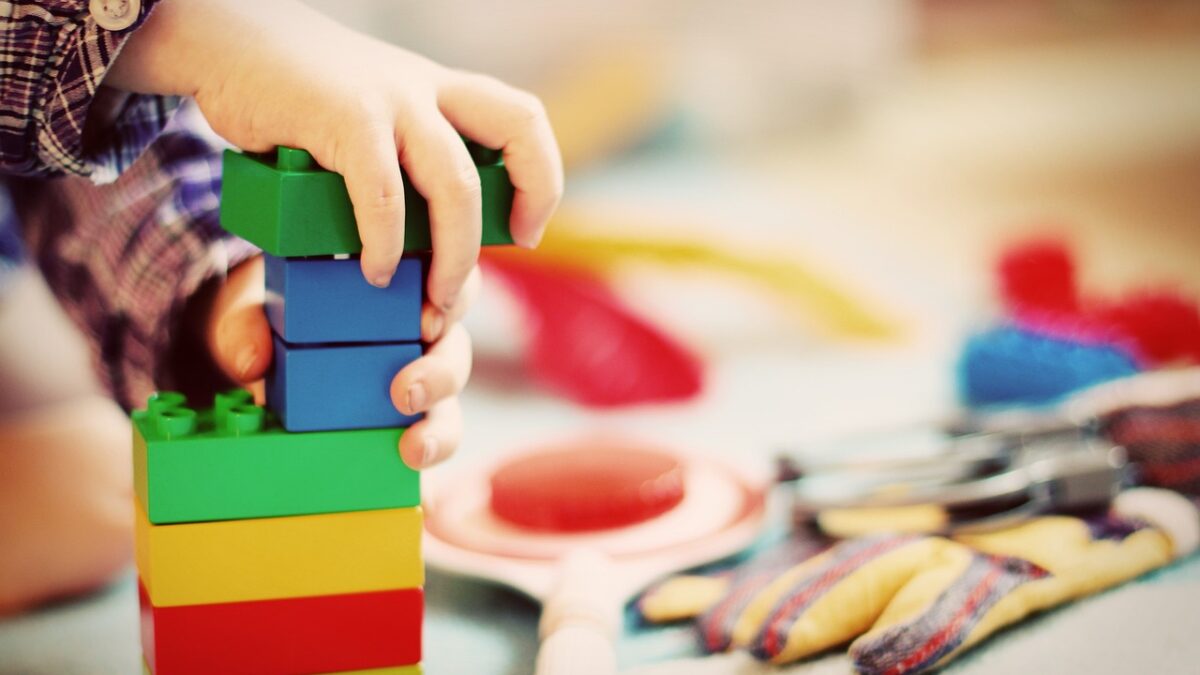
(243, 419)
(165, 400)
(225, 401)
(175, 422)
(293, 159)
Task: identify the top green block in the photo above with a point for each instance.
(288, 206)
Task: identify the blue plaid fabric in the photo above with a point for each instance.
(53, 57)
(10, 239)
(124, 259)
(126, 233)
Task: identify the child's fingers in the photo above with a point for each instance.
(239, 336)
(367, 158)
(434, 321)
(440, 374)
(434, 438)
(499, 116)
(441, 169)
(244, 346)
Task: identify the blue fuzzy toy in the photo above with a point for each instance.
(1011, 365)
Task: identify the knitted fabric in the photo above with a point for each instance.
(715, 627)
(915, 602)
(843, 561)
(918, 644)
(1164, 443)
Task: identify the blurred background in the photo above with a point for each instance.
(808, 199)
(935, 126)
(888, 151)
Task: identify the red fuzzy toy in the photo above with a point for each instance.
(1164, 325)
(1038, 276)
(1038, 288)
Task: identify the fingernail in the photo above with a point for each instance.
(416, 398)
(382, 281)
(245, 361)
(434, 325)
(449, 303)
(431, 451)
(532, 242)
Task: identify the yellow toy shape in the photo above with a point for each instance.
(828, 302)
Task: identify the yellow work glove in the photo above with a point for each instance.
(913, 602)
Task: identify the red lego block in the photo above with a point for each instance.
(291, 636)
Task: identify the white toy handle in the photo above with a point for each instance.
(580, 619)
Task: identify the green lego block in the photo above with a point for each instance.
(235, 461)
(288, 206)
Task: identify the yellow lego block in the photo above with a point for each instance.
(399, 670)
(288, 557)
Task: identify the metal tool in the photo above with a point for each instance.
(979, 479)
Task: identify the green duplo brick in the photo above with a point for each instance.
(234, 461)
(288, 206)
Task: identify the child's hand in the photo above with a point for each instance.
(274, 72)
(239, 339)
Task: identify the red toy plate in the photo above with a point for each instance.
(586, 486)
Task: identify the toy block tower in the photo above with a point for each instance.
(285, 540)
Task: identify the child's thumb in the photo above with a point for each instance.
(239, 336)
(243, 348)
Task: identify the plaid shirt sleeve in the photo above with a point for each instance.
(126, 258)
(55, 118)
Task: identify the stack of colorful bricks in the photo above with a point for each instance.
(286, 540)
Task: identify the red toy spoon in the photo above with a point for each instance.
(587, 346)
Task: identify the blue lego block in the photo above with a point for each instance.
(331, 387)
(318, 300)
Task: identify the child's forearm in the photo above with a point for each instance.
(158, 58)
(189, 45)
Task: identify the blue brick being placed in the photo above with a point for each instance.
(321, 300)
(331, 387)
